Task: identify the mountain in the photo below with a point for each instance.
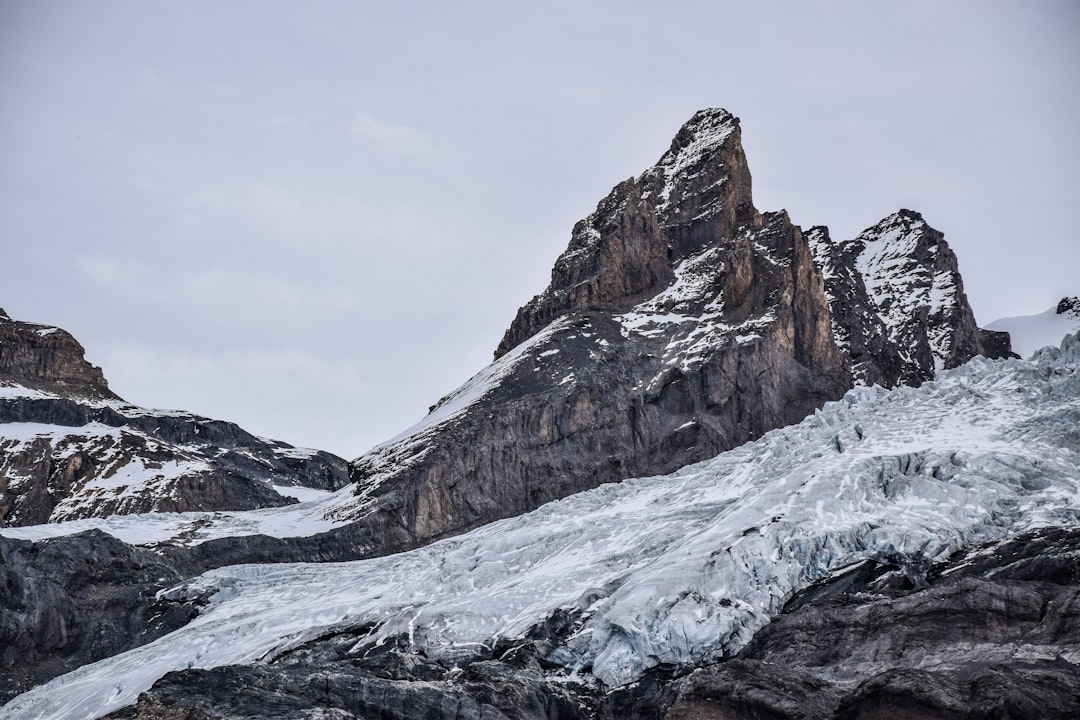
(913, 549)
(70, 448)
(680, 322)
(585, 527)
(1031, 332)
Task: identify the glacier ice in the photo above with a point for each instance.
(677, 569)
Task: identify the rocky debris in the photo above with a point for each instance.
(1068, 306)
(898, 305)
(73, 600)
(42, 357)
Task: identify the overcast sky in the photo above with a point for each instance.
(316, 218)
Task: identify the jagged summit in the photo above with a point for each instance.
(898, 303)
(628, 248)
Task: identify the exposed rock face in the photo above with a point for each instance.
(680, 322)
(42, 357)
(70, 448)
(73, 600)
(898, 304)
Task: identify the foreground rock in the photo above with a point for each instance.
(73, 600)
(995, 634)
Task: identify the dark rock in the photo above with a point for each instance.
(1068, 305)
(73, 600)
(341, 676)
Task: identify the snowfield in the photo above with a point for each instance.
(1032, 332)
(676, 569)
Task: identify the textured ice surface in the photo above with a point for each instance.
(675, 569)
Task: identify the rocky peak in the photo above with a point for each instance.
(46, 358)
(679, 322)
(627, 249)
(1069, 306)
(898, 303)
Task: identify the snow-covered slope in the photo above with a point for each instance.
(1031, 332)
(675, 569)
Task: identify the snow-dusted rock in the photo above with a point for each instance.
(70, 448)
(898, 305)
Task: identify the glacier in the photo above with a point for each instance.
(679, 569)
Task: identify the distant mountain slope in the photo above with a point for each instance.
(70, 448)
(1031, 332)
(677, 572)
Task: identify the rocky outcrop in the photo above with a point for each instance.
(898, 305)
(71, 449)
(42, 357)
(74, 600)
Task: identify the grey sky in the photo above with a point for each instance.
(317, 218)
